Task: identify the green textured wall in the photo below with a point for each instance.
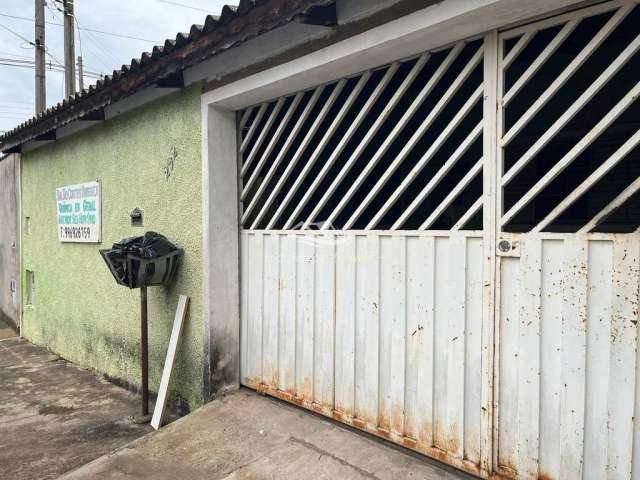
(79, 311)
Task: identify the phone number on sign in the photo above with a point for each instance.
(75, 233)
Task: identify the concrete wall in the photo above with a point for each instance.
(9, 241)
(79, 311)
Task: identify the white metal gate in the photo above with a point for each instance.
(362, 253)
(481, 312)
(567, 298)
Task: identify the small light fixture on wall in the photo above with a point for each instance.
(136, 217)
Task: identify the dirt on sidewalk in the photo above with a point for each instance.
(54, 416)
(248, 436)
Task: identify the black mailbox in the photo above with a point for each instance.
(141, 262)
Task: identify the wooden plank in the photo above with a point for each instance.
(255, 201)
(344, 140)
(591, 180)
(528, 363)
(406, 117)
(567, 73)
(571, 155)
(418, 420)
(287, 328)
(345, 324)
(573, 354)
(178, 322)
(624, 337)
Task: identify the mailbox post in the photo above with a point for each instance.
(134, 266)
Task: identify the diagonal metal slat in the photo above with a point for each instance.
(591, 180)
(457, 190)
(477, 205)
(572, 154)
(373, 98)
(303, 145)
(418, 167)
(541, 59)
(261, 137)
(407, 82)
(283, 151)
(567, 73)
(310, 162)
(612, 206)
(254, 127)
(517, 49)
(464, 74)
(439, 176)
(575, 107)
(272, 143)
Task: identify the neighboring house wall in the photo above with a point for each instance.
(9, 240)
(79, 312)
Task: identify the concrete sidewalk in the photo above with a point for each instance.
(54, 416)
(247, 436)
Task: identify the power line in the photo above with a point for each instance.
(184, 6)
(28, 41)
(103, 32)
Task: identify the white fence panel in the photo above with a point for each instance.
(380, 330)
(568, 316)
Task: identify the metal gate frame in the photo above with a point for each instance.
(495, 63)
(492, 232)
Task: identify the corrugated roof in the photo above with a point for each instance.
(235, 25)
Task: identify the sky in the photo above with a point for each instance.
(146, 22)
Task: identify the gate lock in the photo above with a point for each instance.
(508, 248)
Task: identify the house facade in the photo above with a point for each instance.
(417, 218)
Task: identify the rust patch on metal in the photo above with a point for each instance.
(409, 442)
(359, 423)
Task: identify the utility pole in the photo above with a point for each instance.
(69, 50)
(40, 80)
(80, 74)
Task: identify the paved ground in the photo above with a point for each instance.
(55, 417)
(247, 436)
(6, 331)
